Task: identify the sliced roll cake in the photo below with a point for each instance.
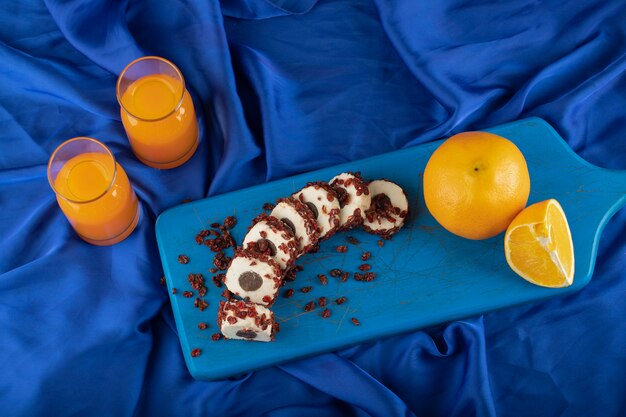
(323, 202)
(354, 199)
(272, 237)
(388, 209)
(299, 218)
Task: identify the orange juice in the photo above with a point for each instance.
(97, 198)
(160, 120)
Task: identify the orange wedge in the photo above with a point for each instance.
(538, 245)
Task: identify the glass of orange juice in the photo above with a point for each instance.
(157, 112)
(93, 191)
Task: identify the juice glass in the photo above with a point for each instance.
(157, 112)
(93, 191)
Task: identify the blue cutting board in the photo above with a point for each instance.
(424, 276)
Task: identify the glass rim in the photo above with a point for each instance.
(78, 138)
(145, 58)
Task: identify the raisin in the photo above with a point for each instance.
(341, 300)
(230, 222)
(335, 272)
(195, 353)
(183, 259)
(326, 313)
(200, 304)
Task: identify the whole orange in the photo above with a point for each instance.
(475, 183)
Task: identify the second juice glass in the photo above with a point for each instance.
(157, 112)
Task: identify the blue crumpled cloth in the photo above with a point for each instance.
(283, 87)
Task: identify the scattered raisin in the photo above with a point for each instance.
(221, 261)
(230, 222)
(306, 289)
(183, 259)
(197, 283)
(218, 280)
(309, 306)
(289, 293)
(326, 313)
(365, 267)
(381, 243)
(344, 277)
(323, 279)
(368, 277)
(216, 336)
(268, 206)
(335, 272)
(365, 256)
(353, 240)
(213, 270)
(202, 325)
(355, 321)
(342, 249)
(341, 300)
(162, 280)
(200, 304)
(227, 294)
(322, 301)
(174, 290)
(187, 294)
(195, 352)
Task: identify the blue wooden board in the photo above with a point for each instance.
(424, 276)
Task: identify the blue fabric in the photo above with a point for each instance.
(283, 87)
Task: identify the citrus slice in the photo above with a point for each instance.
(538, 245)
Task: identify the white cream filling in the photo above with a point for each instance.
(240, 265)
(397, 199)
(319, 198)
(355, 201)
(285, 211)
(283, 259)
(230, 330)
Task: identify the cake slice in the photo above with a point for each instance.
(246, 321)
